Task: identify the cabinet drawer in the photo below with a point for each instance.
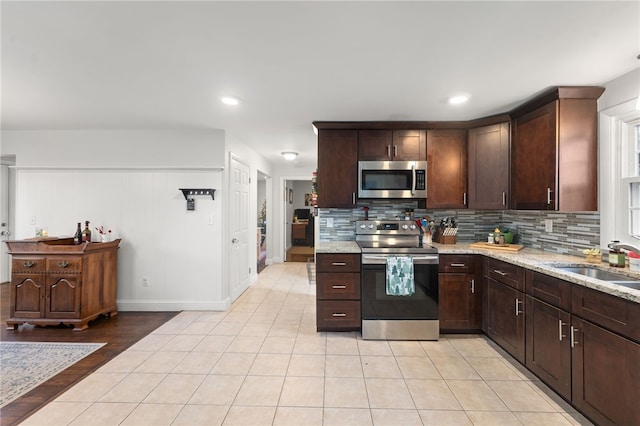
(554, 291)
(338, 285)
(328, 262)
(457, 263)
(611, 312)
(27, 265)
(338, 315)
(64, 264)
(505, 273)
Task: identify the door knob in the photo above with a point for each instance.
(5, 233)
(235, 240)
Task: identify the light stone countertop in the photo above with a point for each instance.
(536, 260)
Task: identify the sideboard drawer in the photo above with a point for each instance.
(64, 264)
(28, 265)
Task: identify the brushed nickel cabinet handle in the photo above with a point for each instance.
(560, 335)
(395, 150)
(339, 314)
(457, 265)
(353, 198)
(464, 198)
(504, 198)
(63, 264)
(549, 191)
(389, 151)
(338, 286)
(573, 337)
(338, 264)
(504, 274)
(473, 286)
(518, 311)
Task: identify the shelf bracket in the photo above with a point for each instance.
(190, 192)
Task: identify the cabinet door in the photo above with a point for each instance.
(534, 160)
(337, 168)
(605, 375)
(63, 296)
(458, 302)
(27, 296)
(505, 317)
(548, 349)
(446, 169)
(375, 145)
(409, 145)
(489, 167)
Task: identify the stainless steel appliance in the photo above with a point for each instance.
(392, 179)
(413, 317)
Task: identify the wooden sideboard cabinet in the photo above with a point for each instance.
(56, 282)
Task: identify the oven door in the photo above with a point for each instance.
(386, 317)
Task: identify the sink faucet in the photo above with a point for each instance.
(617, 245)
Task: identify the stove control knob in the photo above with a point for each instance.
(405, 226)
(413, 227)
(363, 226)
(371, 226)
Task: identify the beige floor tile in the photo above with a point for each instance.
(243, 306)
(390, 417)
(133, 388)
(254, 416)
(493, 418)
(311, 345)
(286, 330)
(380, 366)
(388, 393)
(407, 348)
(417, 367)
(245, 344)
(476, 395)
(455, 368)
(152, 414)
(92, 388)
(227, 328)
(374, 347)
(347, 417)
(343, 366)
(278, 345)
(161, 362)
(175, 389)
(258, 330)
(104, 414)
(234, 321)
(542, 419)
(552, 398)
(472, 346)
(197, 363)
(298, 416)
(214, 344)
(440, 348)
(201, 415)
(233, 363)
(345, 392)
(125, 362)
(493, 369)
(199, 327)
(444, 418)
(306, 365)
(260, 391)
(519, 396)
(183, 343)
(152, 342)
(57, 413)
(270, 365)
(342, 345)
(302, 392)
(431, 394)
(217, 390)
(576, 419)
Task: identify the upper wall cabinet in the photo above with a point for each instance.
(446, 169)
(392, 145)
(489, 167)
(554, 161)
(337, 168)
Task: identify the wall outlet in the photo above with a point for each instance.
(548, 225)
(329, 222)
(145, 282)
(210, 222)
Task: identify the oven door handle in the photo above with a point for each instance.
(369, 259)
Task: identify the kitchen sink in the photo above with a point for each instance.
(600, 274)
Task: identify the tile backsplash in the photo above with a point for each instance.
(572, 231)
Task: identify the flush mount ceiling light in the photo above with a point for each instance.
(458, 99)
(230, 100)
(289, 155)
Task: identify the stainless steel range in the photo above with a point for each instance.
(390, 316)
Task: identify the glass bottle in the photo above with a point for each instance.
(86, 233)
(77, 238)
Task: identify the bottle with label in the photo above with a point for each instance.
(86, 233)
(77, 238)
(616, 257)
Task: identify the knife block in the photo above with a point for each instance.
(444, 239)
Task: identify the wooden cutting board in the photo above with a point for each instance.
(514, 248)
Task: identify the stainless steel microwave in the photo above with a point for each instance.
(392, 179)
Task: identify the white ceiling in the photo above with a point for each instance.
(160, 64)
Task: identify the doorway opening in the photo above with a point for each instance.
(299, 220)
(262, 230)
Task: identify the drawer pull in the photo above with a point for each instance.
(338, 314)
(338, 286)
(63, 264)
(339, 264)
(497, 271)
(458, 265)
(573, 337)
(518, 311)
(28, 264)
(473, 286)
(560, 335)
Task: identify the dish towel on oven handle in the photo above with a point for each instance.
(400, 276)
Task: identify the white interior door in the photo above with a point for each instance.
(239, 227)
(4, 222)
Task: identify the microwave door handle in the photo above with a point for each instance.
(415, 178)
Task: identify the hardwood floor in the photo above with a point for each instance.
(119, 332)
(299, 253)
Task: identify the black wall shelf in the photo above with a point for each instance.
(190, 192)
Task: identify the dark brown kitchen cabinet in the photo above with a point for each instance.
(338, 292)
(337, 168)
(447, 169)
(459, 294)
(489, 167)
(392, 145)
(554, 151)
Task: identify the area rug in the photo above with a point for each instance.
(25, 365)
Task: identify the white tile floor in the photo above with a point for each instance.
(263, 363)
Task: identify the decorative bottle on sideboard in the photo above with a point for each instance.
(77, 238)
(86, 233)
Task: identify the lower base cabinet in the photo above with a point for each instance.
(504, 307)
(459, 294)
(338, 292)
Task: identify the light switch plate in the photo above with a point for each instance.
(548, 225)
(329, 222)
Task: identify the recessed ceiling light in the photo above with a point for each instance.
(230, 100)
(458, 99)
(289, 155)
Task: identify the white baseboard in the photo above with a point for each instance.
(171, 306)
